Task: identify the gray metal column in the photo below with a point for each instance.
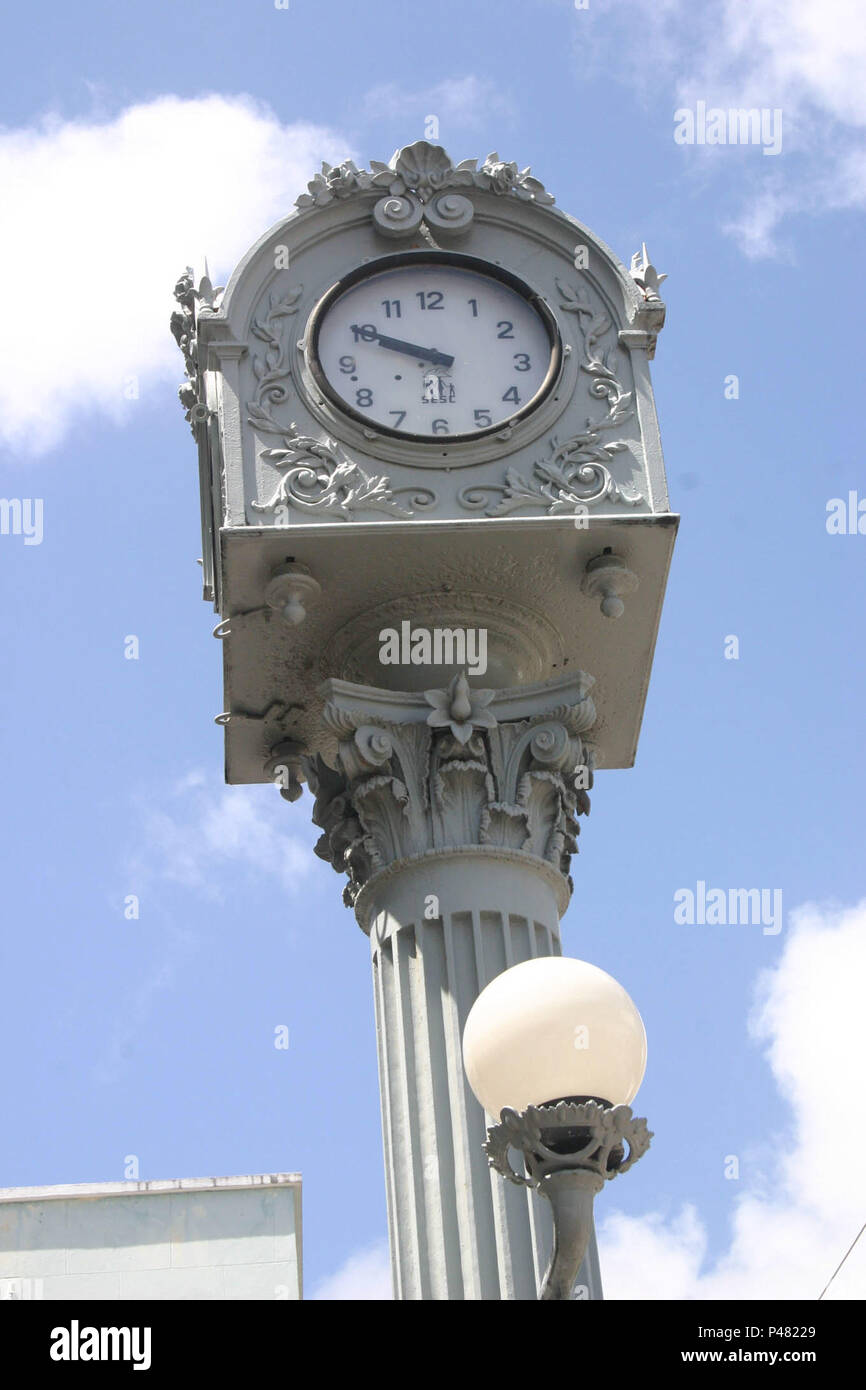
(456, 1230)
(456, 857)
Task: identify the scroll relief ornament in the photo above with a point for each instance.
(461, 777)
(576, 475)
(319, 473)
(272, 368)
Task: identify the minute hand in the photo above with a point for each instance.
(440, 359)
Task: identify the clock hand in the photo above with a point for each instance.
(412, 350)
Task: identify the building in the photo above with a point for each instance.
(187, 1238)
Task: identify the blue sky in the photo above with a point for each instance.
(143, 136)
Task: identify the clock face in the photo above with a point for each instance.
(432, 348)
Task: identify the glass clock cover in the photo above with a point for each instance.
(434, 349)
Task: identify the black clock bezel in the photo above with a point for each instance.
(460, 261)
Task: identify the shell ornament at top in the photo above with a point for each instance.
(422, 169)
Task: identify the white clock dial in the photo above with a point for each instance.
(433, 349)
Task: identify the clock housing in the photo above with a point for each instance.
(324, 522)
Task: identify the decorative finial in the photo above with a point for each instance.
(645, 275)
(607, 578)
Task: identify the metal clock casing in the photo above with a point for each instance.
(378, 518)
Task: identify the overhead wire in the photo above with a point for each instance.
(842, 1261)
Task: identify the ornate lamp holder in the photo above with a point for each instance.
(570, 1148)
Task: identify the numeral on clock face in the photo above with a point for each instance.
(397, 345)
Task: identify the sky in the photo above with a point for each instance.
(135, 139)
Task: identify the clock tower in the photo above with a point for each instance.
(431, 477)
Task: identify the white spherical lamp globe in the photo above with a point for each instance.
(551, 1028)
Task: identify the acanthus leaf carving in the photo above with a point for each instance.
(382, 804)
(542, 796)
(505, 825)
(461, 790)
(404, 787)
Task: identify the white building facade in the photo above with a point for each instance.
(225, 1238)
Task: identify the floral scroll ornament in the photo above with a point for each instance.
(576, 473)
(320, 475)
(424, 170)
(272, 367)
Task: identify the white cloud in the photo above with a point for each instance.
(805, 59)
(365, 1275)
(766, 50)
(795, 1220)
(756, 226)
(805, 53)
(798, 1215)
(207, 826)
(808, 61)
(98, 221)
(467, 101)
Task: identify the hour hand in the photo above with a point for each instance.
(440, 359)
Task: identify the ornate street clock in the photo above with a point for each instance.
(424, 396)
(428, 345)
(423, 410)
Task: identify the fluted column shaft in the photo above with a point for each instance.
(456, 838)
(456, 1229)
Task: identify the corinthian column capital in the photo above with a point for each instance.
(506, 772)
